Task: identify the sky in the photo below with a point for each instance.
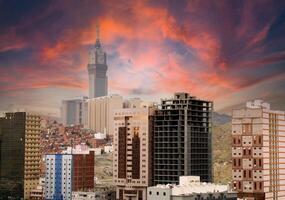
(225, 51)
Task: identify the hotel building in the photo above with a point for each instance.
(132, 171)
(258, 152)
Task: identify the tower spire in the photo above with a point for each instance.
(98, 42)
(97, 32)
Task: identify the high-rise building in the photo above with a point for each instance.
(58, 177)
(72, 111)
(258, 152)
(100, 116)
(20, 154)
(182, 139)
(97, 69)
(132, 168)
(83, 172)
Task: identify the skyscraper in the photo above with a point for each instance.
(182, 139)
(258, 152)
(19, 154)
(97, 69)
(132, 168)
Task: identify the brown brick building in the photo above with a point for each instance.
(83, 172)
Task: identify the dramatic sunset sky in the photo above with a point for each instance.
(226, 51)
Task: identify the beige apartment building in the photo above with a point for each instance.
(132, 170)
(258, 152)
(32, 153)
(100, 112)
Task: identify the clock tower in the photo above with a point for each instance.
(97, 69)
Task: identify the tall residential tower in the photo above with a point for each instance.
(19, 155)
(132, 168)
(258, 152)
(97, 69)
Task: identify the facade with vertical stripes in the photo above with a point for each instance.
(132, 169)
(58, 177)
(258, 152)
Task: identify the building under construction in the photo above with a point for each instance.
(182, 139)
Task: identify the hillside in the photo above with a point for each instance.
(104, 168)
(220, 119)
(222, 153)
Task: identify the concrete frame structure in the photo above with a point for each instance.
(258, 152)
(132, 168)
(20, 154)
(100, 114)
(182, 139)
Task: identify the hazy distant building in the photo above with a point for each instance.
(258, 152)
(97, 70)
(133, 103)
(132, 168)
(100, 113)
(19, 154)
(72, 111)
(182, 139)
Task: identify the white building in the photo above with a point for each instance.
(78, 149)
(100, 136)
(190, 188)
(108, 149)
(58, 177)
(100, 113)
(72, 111)
(97, 151)
(83, 196)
